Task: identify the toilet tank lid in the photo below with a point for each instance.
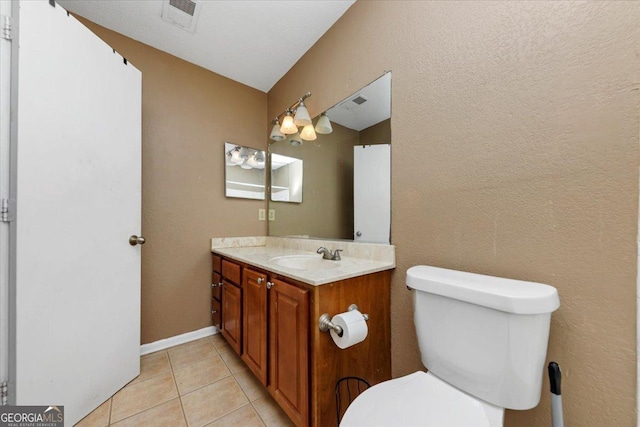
(509, 295)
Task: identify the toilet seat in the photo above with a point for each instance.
(419, 399)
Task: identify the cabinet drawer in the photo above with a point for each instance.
(216, 313)
(231, 272)
(216, 263)
(216, 284)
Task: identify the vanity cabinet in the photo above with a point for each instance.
(216, 287)
(279, 339)
(232, 304)
(255, 323)
(289, 349)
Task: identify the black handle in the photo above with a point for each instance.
(555, 378)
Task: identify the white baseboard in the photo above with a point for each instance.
(178, 339)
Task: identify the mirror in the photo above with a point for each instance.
(286, 178)
(356, 154)
(244, 175)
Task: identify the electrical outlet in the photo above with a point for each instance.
(261, 215)
(272, 214)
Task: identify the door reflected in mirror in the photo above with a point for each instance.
(286, 179)
(245, 175)
(329, 209)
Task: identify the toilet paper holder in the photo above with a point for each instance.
(325, 324)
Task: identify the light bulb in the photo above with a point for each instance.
(245, 165)
(288, 127)
(308, 134)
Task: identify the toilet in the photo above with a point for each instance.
(483, 340)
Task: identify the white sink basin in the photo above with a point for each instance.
(304, 262)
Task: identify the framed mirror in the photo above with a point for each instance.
(347, 172)
(244, 175)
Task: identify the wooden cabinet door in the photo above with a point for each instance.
(232, 315)
(254, 333)
(289, 350)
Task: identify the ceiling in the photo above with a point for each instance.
(252, 42)
(375, 109)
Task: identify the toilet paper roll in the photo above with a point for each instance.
(354, 329)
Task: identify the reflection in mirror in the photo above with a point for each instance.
(286, 179)
(331, 162)
(244, 172)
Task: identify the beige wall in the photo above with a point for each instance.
(187, 114)
(327, 192)
(515, 153)
(377, 134)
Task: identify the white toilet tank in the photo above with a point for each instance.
(484, 335)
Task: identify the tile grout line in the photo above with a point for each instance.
(173, 375)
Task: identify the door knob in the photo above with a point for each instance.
(358, 233)
(260, 280)
(270, 285)
(135, 240)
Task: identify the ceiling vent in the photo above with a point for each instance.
(181, 13)
(353, 103)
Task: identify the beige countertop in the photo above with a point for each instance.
(357, 258)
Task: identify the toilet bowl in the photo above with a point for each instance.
(483, 340)
(420, 399)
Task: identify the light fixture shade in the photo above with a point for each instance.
(260, 156)
(276, 135)
(245, 165)
(302, 117)
(295, 140)
(324, 125)
(308, 134)
(252, 161)
(235, 156)
(288, 127)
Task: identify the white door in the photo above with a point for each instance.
(76, 319)
(372, 193)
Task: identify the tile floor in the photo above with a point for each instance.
(201, 383)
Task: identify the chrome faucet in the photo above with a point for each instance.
(327, 254)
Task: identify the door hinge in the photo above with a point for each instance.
(6, 27)
(7, 210)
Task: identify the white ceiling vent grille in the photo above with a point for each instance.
(182, 13)
(353, 103)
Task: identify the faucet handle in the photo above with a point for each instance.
(321, 250)
(336, 255)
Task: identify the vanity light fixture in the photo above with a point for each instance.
(288, 127)
(308, 134)
(324, 124)
(244, 157)
(296, 140)
(302, 117)
(298, 115)
(235, 156)
(276, 135)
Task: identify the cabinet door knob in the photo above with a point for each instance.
(260, 280)
(214, 311)
(270, 285)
